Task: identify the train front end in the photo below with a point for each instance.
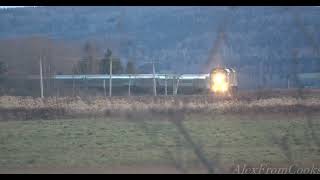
(223, 81)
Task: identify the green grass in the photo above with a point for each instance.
(99, 142)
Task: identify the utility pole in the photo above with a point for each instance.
(129, 87)
(154, 77)
(110, 78)
(41, 78)
(154, 80)
(173, 84)
(104, 88)
(295, 71)
(166, 86)
(261, 74)
(177, 86)
(73, 86)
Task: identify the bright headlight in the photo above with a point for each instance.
(219, 83)
(219, 78)
(224, 87)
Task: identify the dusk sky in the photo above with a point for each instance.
(10, 6)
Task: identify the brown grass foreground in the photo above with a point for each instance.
(27, 108)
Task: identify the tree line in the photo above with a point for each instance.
(3, 71)
(89, 64)
(19, 60)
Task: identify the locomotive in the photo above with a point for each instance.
(223, 81)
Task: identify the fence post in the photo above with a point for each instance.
(129, 87)
(41, 78)
(104, 88)
(110, 78)
(166, 86)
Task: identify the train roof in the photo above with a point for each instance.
(133, 76)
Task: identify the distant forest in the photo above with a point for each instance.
(272, 41)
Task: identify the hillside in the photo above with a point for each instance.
(182, 38)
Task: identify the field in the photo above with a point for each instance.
(116, 136)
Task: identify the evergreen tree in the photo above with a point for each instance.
(117, 66)
(3, 68)
(89, 63)
(130, 68)
(90, 51)
(105, 64)
(82, 67)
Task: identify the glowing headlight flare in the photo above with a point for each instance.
(219, 78)
(219, 83)
(224, 87)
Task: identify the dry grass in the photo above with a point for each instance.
(276, 129)
(35, 108)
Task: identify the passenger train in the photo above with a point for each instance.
(219, 81)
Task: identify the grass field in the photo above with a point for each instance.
(90, 144)
(143, 135)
